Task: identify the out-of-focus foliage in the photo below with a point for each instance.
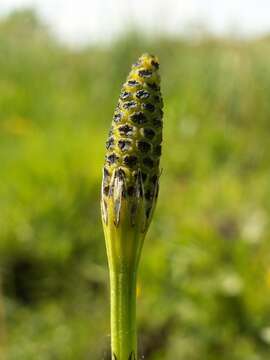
(204, 284)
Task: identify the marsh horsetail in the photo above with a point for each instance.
(129, 193)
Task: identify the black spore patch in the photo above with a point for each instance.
(153, 86)
(124, 145)
(126, 130)
(112, 158)
(148, 107)
(117, 117)
(143, 146)
(133, 83)
(129, 105)
(145, 73)
(142, 94)
(130, 160)
(149, 133)
(125, 95)
(138, 118)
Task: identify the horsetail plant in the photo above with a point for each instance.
(129, 193)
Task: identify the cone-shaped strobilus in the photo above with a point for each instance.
(129, 194)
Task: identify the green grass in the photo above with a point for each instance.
(204, 281)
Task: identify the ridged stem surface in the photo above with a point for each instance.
(123, 315)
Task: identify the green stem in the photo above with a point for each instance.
(123, 315)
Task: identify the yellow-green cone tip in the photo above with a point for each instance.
(134, 143)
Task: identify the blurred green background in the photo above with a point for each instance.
(204, 284)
